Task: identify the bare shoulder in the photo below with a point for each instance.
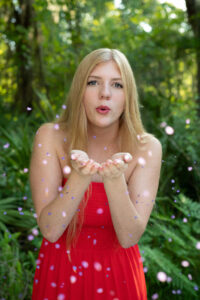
(155, 144)
(152, 144)
(51, 134)
(46, 130)
(149, 153)
(45, 148)
(148, 160)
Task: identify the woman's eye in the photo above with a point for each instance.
(118, 85)
(92, 82)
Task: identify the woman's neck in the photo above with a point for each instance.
(103, 137)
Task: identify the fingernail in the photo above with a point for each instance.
(117, 160)
(127, 157)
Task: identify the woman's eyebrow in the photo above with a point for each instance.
(101, 78)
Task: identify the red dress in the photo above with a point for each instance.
(100, 268)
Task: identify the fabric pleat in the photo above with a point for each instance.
(100, 268)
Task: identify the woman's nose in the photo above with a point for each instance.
(105, 91)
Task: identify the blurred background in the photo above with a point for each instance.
(41, 44)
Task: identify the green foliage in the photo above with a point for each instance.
(170, 238)
(15, 268)
(37, 63)
(16, 207)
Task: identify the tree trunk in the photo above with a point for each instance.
(73, 18)
(193, 12)
(23, 56)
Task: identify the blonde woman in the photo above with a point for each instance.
(94, 175)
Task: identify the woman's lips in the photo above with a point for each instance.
(102, 111)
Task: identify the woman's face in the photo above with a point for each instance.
(104, 88)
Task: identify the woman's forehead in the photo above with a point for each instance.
(104, 67)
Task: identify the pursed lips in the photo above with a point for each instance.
(103, 107)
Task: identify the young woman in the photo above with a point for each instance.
(93, 204)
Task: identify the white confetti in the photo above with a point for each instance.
(60, 188)
(146, 193)
(38, 261)
(67, 170)
(163, 124)
(99, 211)
(169, 130)
(30, 237)
(53, 284)
(97, 266)
(141, 161)
(64, 214)
(185, 263)
(35, 231)
(85, 264)
(198, 245)
(155, 296)
(61, 297)
(73, 279)
(100, 291)
(169, 279)
(6, 146)
(56, 126)
(161, 276)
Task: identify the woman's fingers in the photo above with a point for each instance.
(125, 156)
(112, 169)
(86, 168)
(79, 153)
(94, 168)
(128, 157)
(118, 162)
(90, 168)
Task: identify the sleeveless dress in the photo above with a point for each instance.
(100, 269)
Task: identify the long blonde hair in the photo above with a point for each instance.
(73, 120)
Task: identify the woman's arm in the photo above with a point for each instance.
(131, 205)
(54, 208)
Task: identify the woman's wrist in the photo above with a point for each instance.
(107, 179)
(78, 176)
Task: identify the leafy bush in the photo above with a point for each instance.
(170, 238)
(16, 268)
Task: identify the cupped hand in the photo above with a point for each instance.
(125, 156)
(82, 164)
(116, 166)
